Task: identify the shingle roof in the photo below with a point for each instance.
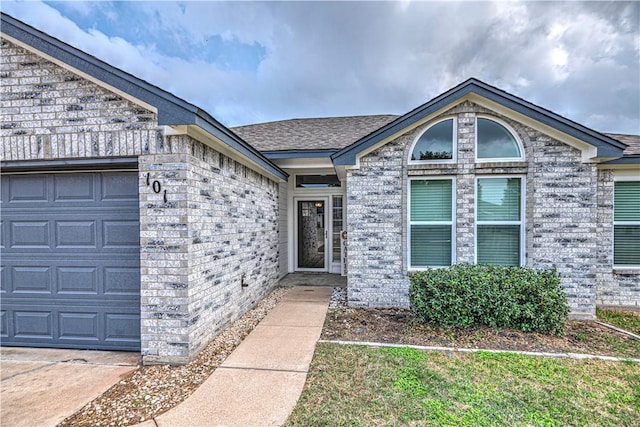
(632, 142)
(311, 134)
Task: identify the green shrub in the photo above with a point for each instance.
(497, 296)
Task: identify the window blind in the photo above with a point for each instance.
(499, 199)
(626, 201)
(431, 200)
(430, 245)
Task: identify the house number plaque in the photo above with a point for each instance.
(156, 187)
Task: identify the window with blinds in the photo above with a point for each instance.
(626, 223)
(430, 223)
(499, 221)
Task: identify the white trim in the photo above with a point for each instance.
(626, 175)
(452, 222)
(508, 129)
(327, 228)
(454, 144)
(521, 223)
(336, 267)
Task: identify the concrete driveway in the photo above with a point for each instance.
(41, 386)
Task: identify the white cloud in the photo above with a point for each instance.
(580, 60)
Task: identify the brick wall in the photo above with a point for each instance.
(50, 113)
(561, 212)
(375, 217)
(217, 228)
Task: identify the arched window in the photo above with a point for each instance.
(494, 141)
(436, 143)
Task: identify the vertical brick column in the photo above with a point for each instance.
(164, 259)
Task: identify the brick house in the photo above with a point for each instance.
(134, 220)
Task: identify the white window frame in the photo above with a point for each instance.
(521, 223)
(452, 222)
(509, 129)
(454, 144)
(621, 177)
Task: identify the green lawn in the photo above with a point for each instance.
(627, 320)
(360, 386)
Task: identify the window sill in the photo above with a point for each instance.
(505, 164)
(627, 271)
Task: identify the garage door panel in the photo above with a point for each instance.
(77, 187)
(31, 279)
(4, 326)
(121, 281)
(68, 326)
(3, 279)
(78, 326)
(76, 234)
(121, 234)
(81, 281)
(33, 324)
(28, 189)
(71, 269)
(122, 327)
(116, 188)
(30, 234)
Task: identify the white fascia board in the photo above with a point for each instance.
(206, 138)
(304, 163)
(85, 76)
(629, 171)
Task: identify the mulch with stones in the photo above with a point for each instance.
(398, 326)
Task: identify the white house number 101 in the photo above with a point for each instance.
(157, 187)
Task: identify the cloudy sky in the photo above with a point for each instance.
(249, 62)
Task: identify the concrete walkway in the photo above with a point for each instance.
(261, 381)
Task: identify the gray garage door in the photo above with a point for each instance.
(70, 267)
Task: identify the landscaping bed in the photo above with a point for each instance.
(397, 326)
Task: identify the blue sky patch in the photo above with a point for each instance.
(130, 22)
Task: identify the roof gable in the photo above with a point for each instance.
(602, 146)
(171, 110)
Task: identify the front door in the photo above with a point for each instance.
(312, 234)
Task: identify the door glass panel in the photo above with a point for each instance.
(337, 227)
(311, 226)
